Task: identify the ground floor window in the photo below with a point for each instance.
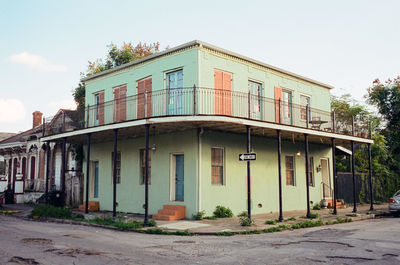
(143, 166)
(118, 165)
(217, 165)
(290, 176)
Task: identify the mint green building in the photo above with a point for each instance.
(194, 109)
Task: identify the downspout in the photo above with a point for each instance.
(199, 140)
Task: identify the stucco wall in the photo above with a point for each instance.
(264, 172)
(130, 194)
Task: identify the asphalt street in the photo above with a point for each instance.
(375, 241)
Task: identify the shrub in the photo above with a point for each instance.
(316, 206)
(270, 222)
(243, 214)
(150, 223)
(222, 212)
(198, 215)
(291, 219)
(49, 211)
(245, 221)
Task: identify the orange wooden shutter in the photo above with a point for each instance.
(122, 96)
(140, 99)
(101, 108)
(278, 96)
(148, 87)
(218, 88)
(116, 104)
(227, 94)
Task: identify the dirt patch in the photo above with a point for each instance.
(24, 261)
(40, 241)
(72, 252)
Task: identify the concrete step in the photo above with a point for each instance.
(171, 213)
(92, 207)
(163, 217)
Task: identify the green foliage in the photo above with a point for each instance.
(118, 224)
(352, 214)
(150, 223)
(316, 206)
(291, 219)
(270, 222)
(245, 221)
(198, 215)
(312, 216)
(210, 217)
(272, 229)
(159, 231)
(308, 223)
(243, 214)
(284, 227)
(222, 212)
(49, 211)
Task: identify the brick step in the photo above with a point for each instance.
(93, 206)
(171, 213)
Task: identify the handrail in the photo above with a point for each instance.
(190, 101)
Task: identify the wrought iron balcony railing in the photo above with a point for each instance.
(206, 101)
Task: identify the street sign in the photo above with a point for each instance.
(247, 157)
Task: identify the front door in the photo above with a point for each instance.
(326, 184)
(95, 179)
(174, 85)
(179, 178)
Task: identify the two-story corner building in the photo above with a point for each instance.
(191, 110)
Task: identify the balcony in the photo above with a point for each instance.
(195, 101)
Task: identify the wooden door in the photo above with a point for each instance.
(100, 108)
(326, 183)
(144, 85)
(222, 93)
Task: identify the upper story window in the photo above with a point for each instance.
(287, 106)
(304, 102)
(290, 171)
(217, 166)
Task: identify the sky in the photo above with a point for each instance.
(45, 45)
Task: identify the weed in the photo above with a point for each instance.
(316, 206)
(210, 217)
(284, 227)
(222, 212)
(243, 214)
(291, 219)
(312, 216)
(270, 222)
(308, 223)
(352, 214)
(150, 223)
(272, 229)
(199, 215)
(245, 221)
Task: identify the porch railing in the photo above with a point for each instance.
(195, 101)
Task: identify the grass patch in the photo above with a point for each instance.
(306, 224)
(242, 214)
(270, 222)
(312, 216)
(272, 229)
(284, 227)
(291, 219)
(352, 214)
(210, 217)
(222, 212)
(118, 224)
(49, 211)
(158, 231)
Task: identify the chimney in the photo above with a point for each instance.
(37, 118)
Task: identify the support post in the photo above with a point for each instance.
(353, 170)
(280, 175)
(146, 175)
(334, 176)
(63, 165)
(371, 208)
(48, 150)
(115, 173)
(248, 173)
(307, 175)
(87, 173)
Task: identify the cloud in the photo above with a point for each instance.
(54, 106)
(37, 62)
(11, 110)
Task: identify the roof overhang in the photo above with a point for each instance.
(344, 150)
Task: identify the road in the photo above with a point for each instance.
(374, 241)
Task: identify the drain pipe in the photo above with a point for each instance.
(199, 140)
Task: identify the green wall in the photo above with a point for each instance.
(264, 172)
(130, 194)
